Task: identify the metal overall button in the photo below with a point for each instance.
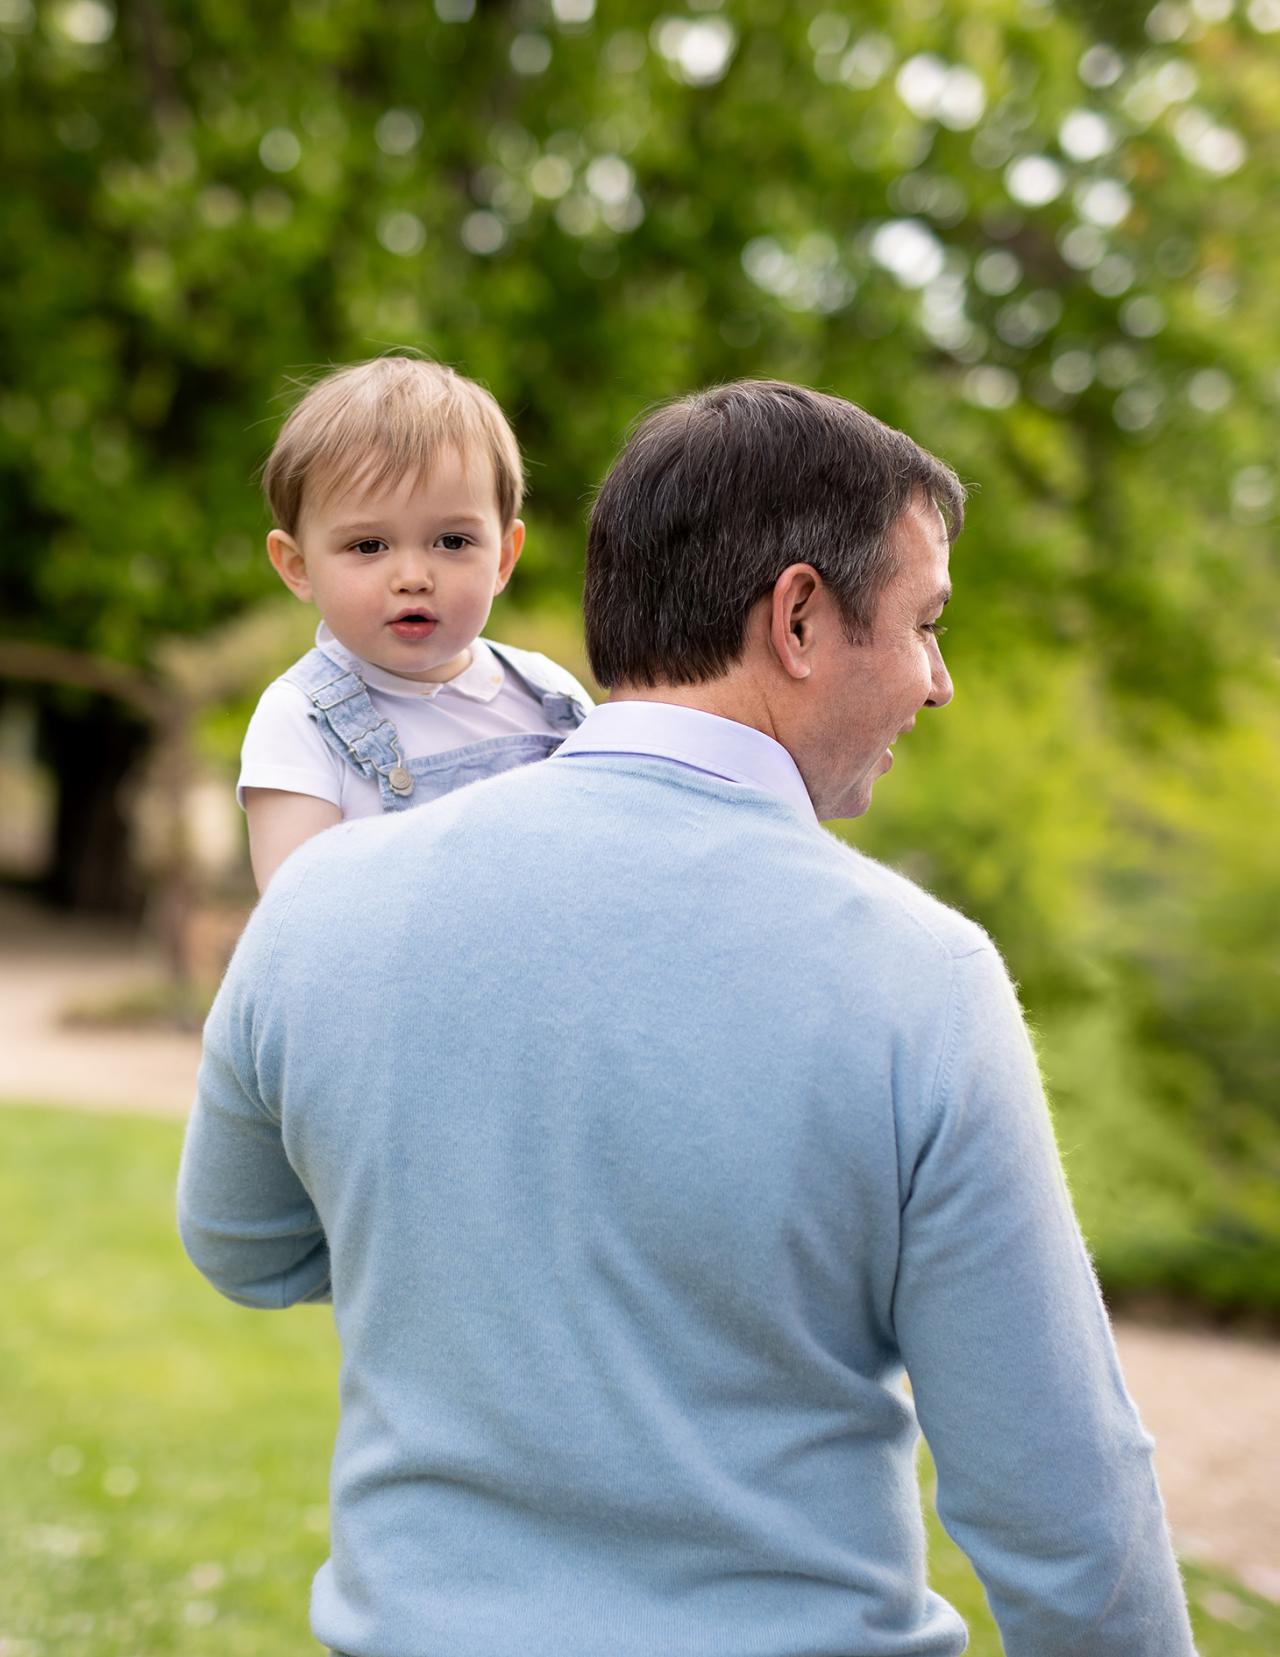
(400, 780)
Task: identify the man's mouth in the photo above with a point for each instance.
(413, 624)
(905, 731)
(888, 753)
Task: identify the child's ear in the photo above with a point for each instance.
(512, 547)
(287, 561)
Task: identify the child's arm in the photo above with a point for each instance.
(278, 823)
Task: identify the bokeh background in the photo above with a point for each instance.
(1040, 235)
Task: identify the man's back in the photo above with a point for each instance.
(631, 1239)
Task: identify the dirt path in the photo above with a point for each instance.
(47, 965)
(1212, 1402)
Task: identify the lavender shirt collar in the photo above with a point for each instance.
(688, 736)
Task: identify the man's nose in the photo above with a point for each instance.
(941, 690)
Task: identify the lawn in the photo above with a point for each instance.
(163, 1454)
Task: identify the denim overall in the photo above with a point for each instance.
(349, 723)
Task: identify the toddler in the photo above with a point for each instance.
(394, 487)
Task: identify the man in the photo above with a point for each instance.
(646, 1134)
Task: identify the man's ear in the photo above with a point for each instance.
(287, 561)
(792, 603)
(512, 547)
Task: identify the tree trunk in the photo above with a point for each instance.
(94, 748)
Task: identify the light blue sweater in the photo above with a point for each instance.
(648, 1133)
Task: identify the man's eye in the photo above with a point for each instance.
(368, 547)
(453, 543)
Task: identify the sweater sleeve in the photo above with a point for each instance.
(245, 1218)
(1045, 1475)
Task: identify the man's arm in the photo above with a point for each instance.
(245, 1218)
(1044, 1471)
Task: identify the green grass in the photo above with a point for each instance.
(163, 1454)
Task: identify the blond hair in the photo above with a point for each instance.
(377, 422)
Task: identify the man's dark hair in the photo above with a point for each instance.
(715, 494)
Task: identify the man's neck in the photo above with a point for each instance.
(727, 697)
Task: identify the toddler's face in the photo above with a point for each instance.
(405, 575)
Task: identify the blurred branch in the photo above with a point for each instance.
(238, 657)
(49, 664)
(148, 30)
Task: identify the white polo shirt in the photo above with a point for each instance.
(283, 747)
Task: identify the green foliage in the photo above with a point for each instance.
(1131, 890)
(1033, 236)
(1038, 236)
(163, 1454)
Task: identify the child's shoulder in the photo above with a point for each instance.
(540, 670)
(284, 747)
(286, 705)
(293, 693)
(282, 712)
(313, 671)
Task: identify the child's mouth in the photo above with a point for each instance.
(413, 626)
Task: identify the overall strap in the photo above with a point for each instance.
(347, 718)
(554, 688)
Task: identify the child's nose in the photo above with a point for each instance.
(413, 573)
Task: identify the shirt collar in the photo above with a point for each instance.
(689, 736)
(479, 681)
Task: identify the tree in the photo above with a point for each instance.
(1038, 236)
(1038, 246)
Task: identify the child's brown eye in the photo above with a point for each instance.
(368, 547)
(453, 543)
